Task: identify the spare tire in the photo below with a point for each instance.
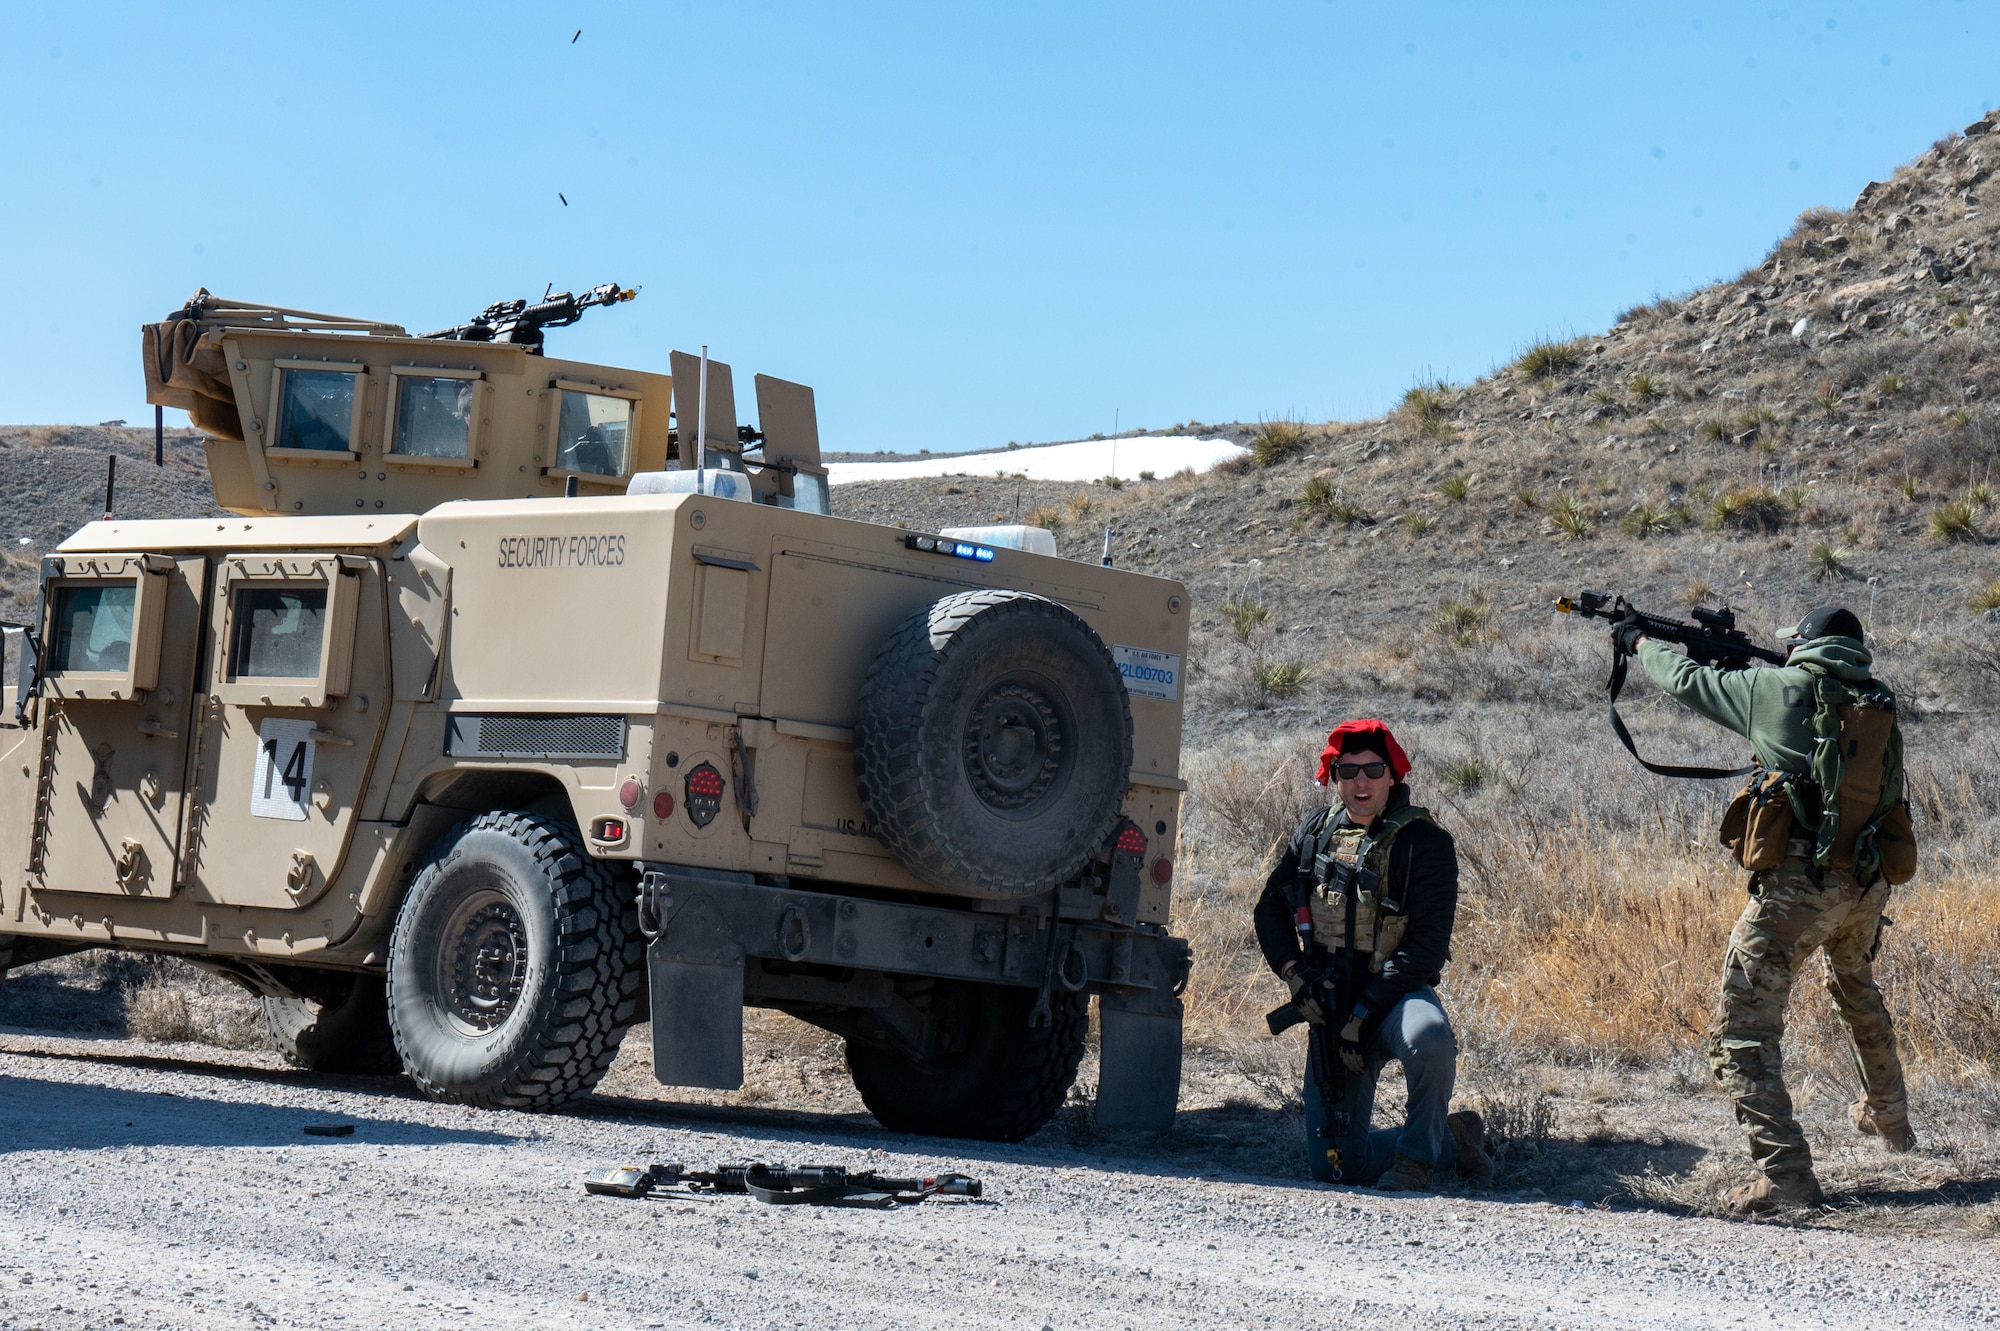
(993, 745)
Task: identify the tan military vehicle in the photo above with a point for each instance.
(523, 694)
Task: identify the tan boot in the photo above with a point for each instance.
(1468, 1134)
(1892, 1128)
(1405, 1175)
(1773, 1192)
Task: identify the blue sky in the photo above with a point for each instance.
(963, 225)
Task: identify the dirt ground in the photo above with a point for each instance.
(171, 1185)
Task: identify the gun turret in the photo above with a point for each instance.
(517, 323)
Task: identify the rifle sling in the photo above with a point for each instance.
(1615, 685)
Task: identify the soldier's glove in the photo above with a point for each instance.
(1307, 984)
(1625, 634)
(1352, 1056)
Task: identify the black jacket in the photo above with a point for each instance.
(1423, 868)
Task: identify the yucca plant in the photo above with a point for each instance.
(1282, 679)
(1457, 486)
(1828, 563)
(1244, 616)
(1545, 358)
(1570, 519)
(1651, 520)
(1955, 521)
(1275, 441)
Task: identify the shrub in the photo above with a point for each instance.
(1416, 524)
(1147, 476)
(1956, 521)
(159, 1012)
(1460, 622)
(1081, 505)
(1047, 516)
(1651, 520)
(1890, 385)
(1458, 487)
(1987, 597)
(1275, 441)
(1646, 388)
(1429, 405)
(1829, 405)
(1908, 487)
(1282, 679)
(1828, 563)
(1570, 519)
(1323, 498)
(1526, 497)
(1715, 431)
(1464, 776)
(1980, 495)
(1546, 358)
(1244, 616)
(1113, 482)
(1755, 508)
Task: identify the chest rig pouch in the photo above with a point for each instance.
(1352, 909)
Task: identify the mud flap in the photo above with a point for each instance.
(1139, 1073)
(695, 968)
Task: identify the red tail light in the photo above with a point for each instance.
(630, 794)
(1163, 871)
(663, 804)
(1132, 841)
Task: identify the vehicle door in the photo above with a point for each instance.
(121, 635)
(297, 691)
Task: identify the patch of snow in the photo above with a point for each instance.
(1087, 460)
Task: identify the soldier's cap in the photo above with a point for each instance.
(1829, 621)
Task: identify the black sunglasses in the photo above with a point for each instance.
(1373, 771)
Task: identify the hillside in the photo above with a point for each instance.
(1821, 427)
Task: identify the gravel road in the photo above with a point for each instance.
(172, 1186)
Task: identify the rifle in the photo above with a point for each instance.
(522, 324)
(1323, 1052)
(1712, 640)
(777, 1185)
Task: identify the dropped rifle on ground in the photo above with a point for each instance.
(1711, 640)
(811, 1185)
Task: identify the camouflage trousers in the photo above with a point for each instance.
(1790, 917)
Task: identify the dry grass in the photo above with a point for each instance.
(1587, 941)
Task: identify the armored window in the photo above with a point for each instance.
(278, 632)
(315, 407)
(433, 415)
(595, 431)
(104, 618)
(93, 628)
(287, 630)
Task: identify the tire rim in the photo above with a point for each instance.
(1015, 744)
(482, 962)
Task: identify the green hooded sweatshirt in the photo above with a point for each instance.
(1773, 707)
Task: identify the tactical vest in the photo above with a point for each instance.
(1343, 860)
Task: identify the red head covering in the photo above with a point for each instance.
(1353, 736)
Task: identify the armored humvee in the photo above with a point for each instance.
(522, 695)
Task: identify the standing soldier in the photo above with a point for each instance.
(1356, 920)
(1824, 731)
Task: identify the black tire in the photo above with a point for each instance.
(1000, 1080)
(345, 1030)
(993, 744)
(514, 966)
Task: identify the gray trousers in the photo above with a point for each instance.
(1417, 1034)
